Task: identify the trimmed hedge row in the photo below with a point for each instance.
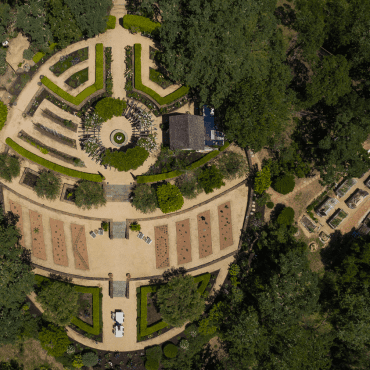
(142, 23)
(180, 92)
(3, 114)
(172, 174)
(98, 85)
(111, 24)
(143, 329)
(53, 166)
(95, 291)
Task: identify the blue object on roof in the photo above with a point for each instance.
(212, 135)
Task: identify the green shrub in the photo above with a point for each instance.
(263, 180)
(135, 226)
(89, 194)
(77, 361)
(177, 94)
(232, 165)
(105, 226)
(210, 178)
(98, 85)
(9, 167)
(145, 198)
(126, 161)
(270, 205)
(90, 359)
(48, 185)
(226, 145)
(27, 54)
(154, 353)
(190, 188)
(170, 198)
(284, 184)
(52, 166)
(151, 364)
(3, 114)
(109, 107)
(170, 350)
(54, 340)
(38, 56)
(111, 24)
(139, 22)
(286, 217)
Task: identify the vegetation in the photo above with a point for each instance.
(179, 301)
(48, 185)
(286, 216)
(232, 165)
(263, 180)
(132, 159)
(89, 194)
(111, 24)
(9, 167)
(210, 178)
(3, 114)
(60, 303)
(137, 23)
(144, 198)
(90, 359)
(189, 187)
(135, 226)
(109, 107)
(169, 198)
(78, 79)
(170, 350)
(54, 340)
(52, 166)
(284, 184)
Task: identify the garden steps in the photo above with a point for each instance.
(118, 193)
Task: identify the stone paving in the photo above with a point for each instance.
(118, 193)
(119, 230)
(119, 289)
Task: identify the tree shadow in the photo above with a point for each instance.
(276, 211)
(286, 14)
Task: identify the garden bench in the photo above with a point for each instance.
(92, 234)
(140, 235)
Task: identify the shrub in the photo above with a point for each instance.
(89, 194)
(38, 56)
(135, 226)
(190, 188)
(126, 161)
(177, 94)
(54, 340)
(111, 24)
(170, 350)
(154, 353)
(48, 185)
(27, 54)
(90, 359)
(284, 184)
(145, 198)
(71, 349)
(52, 166)
(139, 22)
(286, 217)
(232, 165)
(3, 114)
(151, 364)
(9, 167)
(226, 145)
(105, 226)
(109, 107)
(263, 180)
(77, 361)
(263, 198)
(270, 205)
(169, 198)
(210, 178)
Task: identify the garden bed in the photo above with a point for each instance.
(58, 241)
(54, 135)
(345, 187)
(78, 78)
(225, 225)
(204, 234)
(37, 234)
(29, 178)
(70, 60)
(65, 197)
(85, 311)
(158, 78)
(68, 124)
(108, 71)
(337, 218)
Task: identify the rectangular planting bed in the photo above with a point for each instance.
(204, 234)
(79, 247)
(17, 209)
(161, 246)
(225, 225)
(37, 234)
(59, 243)
(183, 241)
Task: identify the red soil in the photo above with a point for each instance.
(37, 234)
(17, 210)
(161, 246)
(183, 241)
(204, 234)
(79, 247)
(59, 243)
(225, 225)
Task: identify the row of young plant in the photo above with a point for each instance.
(170, 197)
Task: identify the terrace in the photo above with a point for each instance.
(337, 219)
(356, 198)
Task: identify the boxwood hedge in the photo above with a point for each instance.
(180, 92)
(111, 24)
(98, 85)
(142, 23)
(52, 166)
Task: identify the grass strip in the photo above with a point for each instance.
(180, 92)
(53, 166)
(98, 85)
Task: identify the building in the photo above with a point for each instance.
(326, 207)
(356, 198)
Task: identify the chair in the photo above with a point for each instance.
(140, 235)
(100, 231)
(148, 240)
(92, 234)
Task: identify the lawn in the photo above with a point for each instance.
(78, 78)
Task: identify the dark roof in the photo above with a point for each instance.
(187, 132)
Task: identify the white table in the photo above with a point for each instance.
(119, 317)
(118, 331)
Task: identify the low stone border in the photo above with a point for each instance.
(26, 170)
(118, 131)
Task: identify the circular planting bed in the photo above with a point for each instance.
(118, 138)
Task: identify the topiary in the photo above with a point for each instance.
(3, 114)
(286, 216)
(111, 24)
(27, 54)
(90, 359)
(125, 161)
(151, 364)
(170, 198)
(284, 184)
(170, 350)
(270, 205)
(109, 107)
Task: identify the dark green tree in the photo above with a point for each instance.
(179, 301)
(11, 365)
(54, 340)
(210, 178)
(89, 194)
(145, 198)
(48, 185)
(132, 159)
(5, 19)
(169, 198)
(232, 165)
(9, 167)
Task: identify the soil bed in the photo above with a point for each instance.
(78, 78)
(30, 179)
(70, 60)
(85, 310)
(68, 124)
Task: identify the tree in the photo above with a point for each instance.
(62, 24)
(263, 180)
(91, 15)
(3, 111)
(330, 80)
(60, 303)
(109, 107)
(189, 187)
(179, 301)
(16, 277)
(210, 178)
(11, 365)
(9, 167)
(3, 68)
(90, 359)
(4, 21)
(169, 198)
(48, 185)
(54, 340)
(235, 39)
(77, 361)
(286, 217)
(284, 184)
(145, 198)
(89, 194)
(132, 159)
(232, 165)
(170, 350)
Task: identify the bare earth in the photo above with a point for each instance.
(183, 242)
(37, 233)
(161, 246)
(79, 247)
(225, 226)
(59, 244)
(204, 234)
